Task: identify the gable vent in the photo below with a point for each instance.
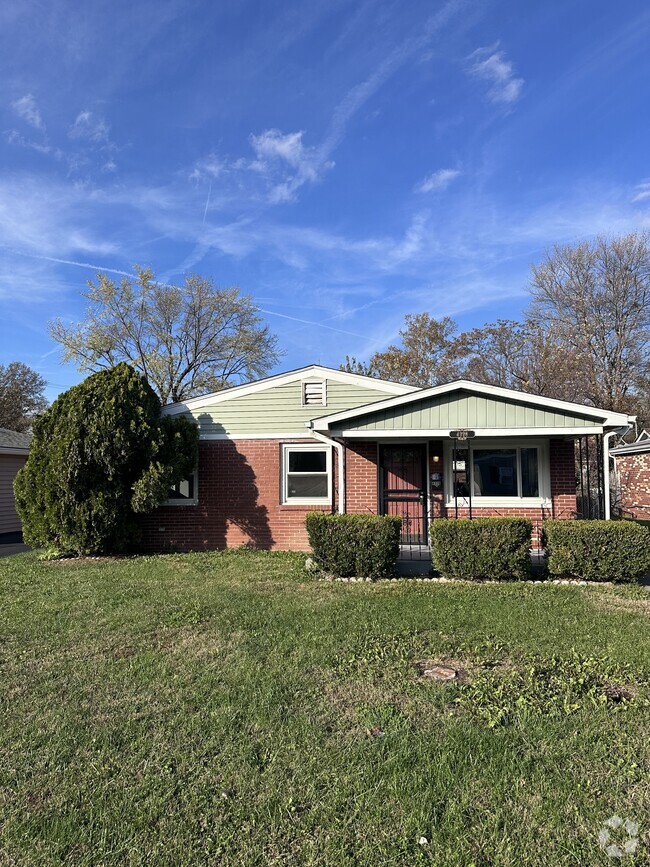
(313, 394)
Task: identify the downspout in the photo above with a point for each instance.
(341, 462)
(621, 431)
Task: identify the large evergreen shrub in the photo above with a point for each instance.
(365, 546)
(482, 548)
(100, 455)
(597, 550)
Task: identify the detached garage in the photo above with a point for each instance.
(14, 448)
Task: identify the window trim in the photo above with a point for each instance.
(195, 499)
(284, 473)
(479, 502)
(305, 382)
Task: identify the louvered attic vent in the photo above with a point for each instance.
(313, 394)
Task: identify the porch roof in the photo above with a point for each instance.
(486, 409)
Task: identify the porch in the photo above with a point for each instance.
(465, 450)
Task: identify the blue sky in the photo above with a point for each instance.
(344, 162)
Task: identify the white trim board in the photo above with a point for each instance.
(9, 451)
(315, 371)
(608, 418)
(301, 435)
(480, 433)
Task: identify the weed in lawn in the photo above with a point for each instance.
(558, 685)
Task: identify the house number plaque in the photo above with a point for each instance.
(462, 434)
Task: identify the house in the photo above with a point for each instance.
(632, 467)
(14, 448)
(317, 438)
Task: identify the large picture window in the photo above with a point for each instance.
(499, 471)
(306, 475)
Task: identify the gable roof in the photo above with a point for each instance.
(312, 371)
(13, 442)
(600, 417)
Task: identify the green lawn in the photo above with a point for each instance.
(213, 709)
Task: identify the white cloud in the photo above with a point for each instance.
(286, 162)
(88, 126)
(208, 168)
(27, 109)
(493, 67)
(273, 144)
(642, 192)
(439, 180)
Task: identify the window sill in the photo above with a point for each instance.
(305, 507)
(176, 503)
(503, 502)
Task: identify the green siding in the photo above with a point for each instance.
(280, 409)
(463, 410)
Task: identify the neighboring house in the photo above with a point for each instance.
(632, 466)
(322, 439)
(14, 448)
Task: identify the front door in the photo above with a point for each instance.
(402, 482)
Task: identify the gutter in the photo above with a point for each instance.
(621, 431)
(341, 462)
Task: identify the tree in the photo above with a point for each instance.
(525, 356)
(425, 357)
(21, 396)
(186, 340)
(101, 455)
(596, 296)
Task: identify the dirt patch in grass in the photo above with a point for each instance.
(443, 670)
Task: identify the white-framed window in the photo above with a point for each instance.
(500, 473)
(185, 492)
(314, 392)
(306, 474)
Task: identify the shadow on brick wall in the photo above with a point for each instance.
(240, 504)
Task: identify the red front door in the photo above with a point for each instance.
(402, 481)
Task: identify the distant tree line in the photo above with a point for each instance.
(584, 336)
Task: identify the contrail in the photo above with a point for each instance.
(69, 262)
(207, 204)
(310, 322)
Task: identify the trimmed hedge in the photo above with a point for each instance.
(482, 547)
(597, 550)
(365, 546)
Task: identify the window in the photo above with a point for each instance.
(184, 493)
(314, 394)
(500, 473)
(306, 474)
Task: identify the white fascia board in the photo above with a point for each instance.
(304, 435)
(484, 433)
(14, 451)
(310, 372)
(631, 449)
(609, 419)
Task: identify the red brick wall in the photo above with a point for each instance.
(239, 503)
(634, 484)
(239, 498)
(361, 478)
(563, 479)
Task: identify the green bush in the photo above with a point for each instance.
(365, 546)
(597, 550)
(482, 548)
(100, 455)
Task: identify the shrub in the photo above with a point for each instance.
(363, 545)
(597, 550)
(99, 455)
(482, 547)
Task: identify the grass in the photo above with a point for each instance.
(214, 709)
